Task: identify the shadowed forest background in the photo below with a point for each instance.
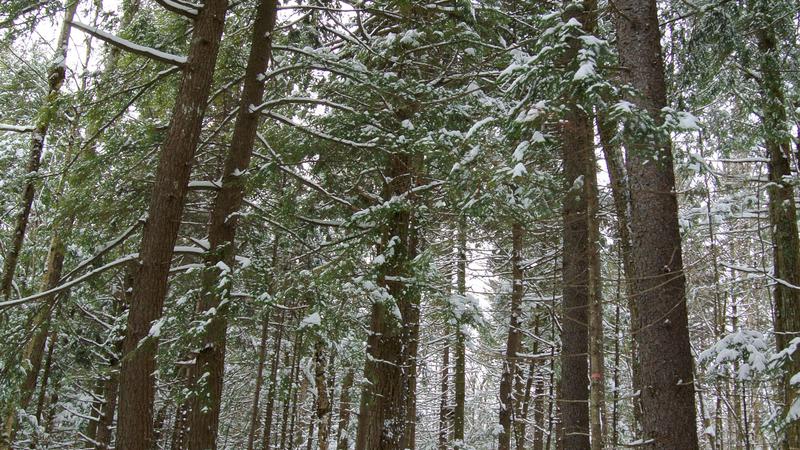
(399, 224)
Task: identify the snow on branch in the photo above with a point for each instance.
(17, 128)
(129, 46)
(316, 133)
(181, 8)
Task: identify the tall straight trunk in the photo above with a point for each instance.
(523, 407)
(539, 395)
(578, 271)
(444, 403)
(269, 410)
(323, 409)
(342, 436)
(55, 79)
(205, 409)
(620, 192)
(659, 282)
(513, 341)
(383, 414)
(137, 381)
(782, 207)
(459, 377)
(597, 404)
(262, 359)
(574, 398)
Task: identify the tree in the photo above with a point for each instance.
(667, 395)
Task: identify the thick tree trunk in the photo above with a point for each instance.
(205, 409)
(383, 414)
(137, 381)
(574, 392)
(513, 342)
(663, 334)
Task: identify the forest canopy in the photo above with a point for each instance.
(399, 224)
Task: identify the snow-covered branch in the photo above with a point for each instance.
(17, 128)
(180, 8)
(129, 46)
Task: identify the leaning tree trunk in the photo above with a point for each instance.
(384, 400)
(55, 79)
(205, 409)
(620, 192)
(782, 207)
(137, 383)
(513, 342)
(659, 282)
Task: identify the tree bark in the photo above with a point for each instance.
(444, 404)
(459, 377)
(513, 342)
(342, 437)
(205, 409)
(383, 414)
(262, 358)
(269, 410)
(137, 381)
(323, 409)
(663, 335)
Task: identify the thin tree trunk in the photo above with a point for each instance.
(262, 358)
(620, 192)
(137, 383)
(323, 409)
(342, 435)
(597, 411)
(459, 377)
(663, 334)
(205, 409)
(444, 404)
(55, 79)
(513, 342)
(269, 411)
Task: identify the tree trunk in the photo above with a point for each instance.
(659, 282)
(574, 398)
(342, 437)
(597, 411)
(444, 404)
(459, 377)
(269, 410)
(620, 191)
(323, 409)
(137, 382)
(262, 358)
(55, 79)
(782, 208)
(383, 414)
(513, 342)
(205, 409)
